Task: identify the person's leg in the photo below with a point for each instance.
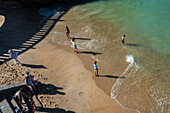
(97, 73)
(17, 102)
(67, 34)
(18, 61)
(31, 89)
(15, 61)
(94, 73)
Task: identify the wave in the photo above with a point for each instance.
(114, 91)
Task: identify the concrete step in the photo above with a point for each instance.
(5, 107)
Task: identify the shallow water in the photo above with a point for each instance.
(143, 60)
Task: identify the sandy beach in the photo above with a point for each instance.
(75, 87)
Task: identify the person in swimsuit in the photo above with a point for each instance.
(74, 45)
(123, 39)
(67, 31)
(95, 68)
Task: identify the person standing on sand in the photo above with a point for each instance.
(14, 56)
(67, 31)
(95, 68)
(74, 45)
(123, 39)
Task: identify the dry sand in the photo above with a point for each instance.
(71, 81)
(2, 20)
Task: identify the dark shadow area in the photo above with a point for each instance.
(53, 110)
(34, 66)
(81, 38)
(20, 26)
(61, 20)
(36, 96)
(133, 44)
(49, 89)
(89, 52)
(110, 76)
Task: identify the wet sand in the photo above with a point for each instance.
(71, 76)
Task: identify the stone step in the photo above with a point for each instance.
(5, 107)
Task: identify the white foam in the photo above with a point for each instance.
(162, 102)
(130, 59)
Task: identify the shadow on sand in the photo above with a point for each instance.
(110, 76)
(53, 110)
(89, 52)
(48, 89)
(81, 38)
(34, 66)
(133, 44)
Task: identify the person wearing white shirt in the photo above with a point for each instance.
(74, 45)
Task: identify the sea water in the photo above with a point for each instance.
(144, 58)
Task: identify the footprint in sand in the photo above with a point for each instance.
(81, 93)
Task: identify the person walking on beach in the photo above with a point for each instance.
(123, 39)
(67, 31)
(14, 56)
(74, 45)
(95, 68)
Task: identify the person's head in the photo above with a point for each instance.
(27, 77)
(95, 62)
(10, 51)
(73, 39)
(65, 26)
(27, 73)
(124, 35)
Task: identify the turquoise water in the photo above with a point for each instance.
(146, 24)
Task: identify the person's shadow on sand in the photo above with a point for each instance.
(81, 38)
(34, 66)
(110, 76)
(133, 44)
(89, 52)
(53, 110)
(49, 89)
